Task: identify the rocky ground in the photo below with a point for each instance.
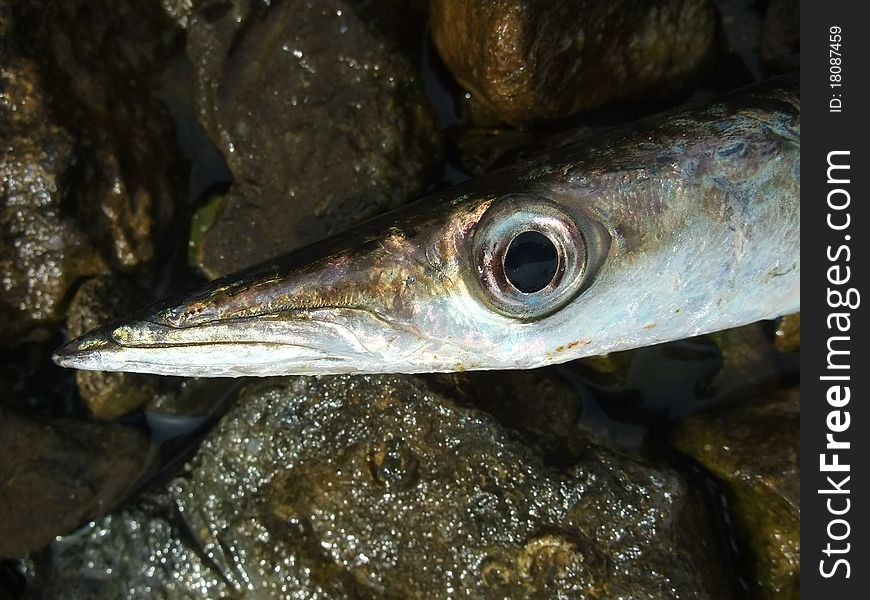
(148, 145)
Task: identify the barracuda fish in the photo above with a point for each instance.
(674, 226)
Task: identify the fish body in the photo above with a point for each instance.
(673, 226)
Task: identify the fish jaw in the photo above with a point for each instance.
(309, 343)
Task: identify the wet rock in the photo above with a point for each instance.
(542, 407)
(179, 11)
(96, 302)
(652, 386)
(754, 448)
(607, 369)
(781, 36)
(55, 475)
(737, 61)
(535, 60)
(87, 164)
(401, 21)
(749, 363)
(482, 149)
(102, 60)
(128, 39)
(42, 252)
(788, 333)
(378, 487)
(685, 376)
(120, 220)
(6, 24)
(323, 124)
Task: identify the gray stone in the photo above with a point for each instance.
(96, 302)
(532, 60)
(374, 487)
(41, 252)
(322, 122)
(54, 475)
(754, 447)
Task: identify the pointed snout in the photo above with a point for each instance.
(304, 343)
(333, 315)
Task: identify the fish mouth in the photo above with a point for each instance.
(305, 342)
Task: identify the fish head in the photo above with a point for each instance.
(676, 226)
(465, 283)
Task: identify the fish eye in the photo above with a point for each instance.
(530, 262)
(532, 257)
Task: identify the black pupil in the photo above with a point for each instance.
(530, 262)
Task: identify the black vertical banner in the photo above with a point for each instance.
(835, 371)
